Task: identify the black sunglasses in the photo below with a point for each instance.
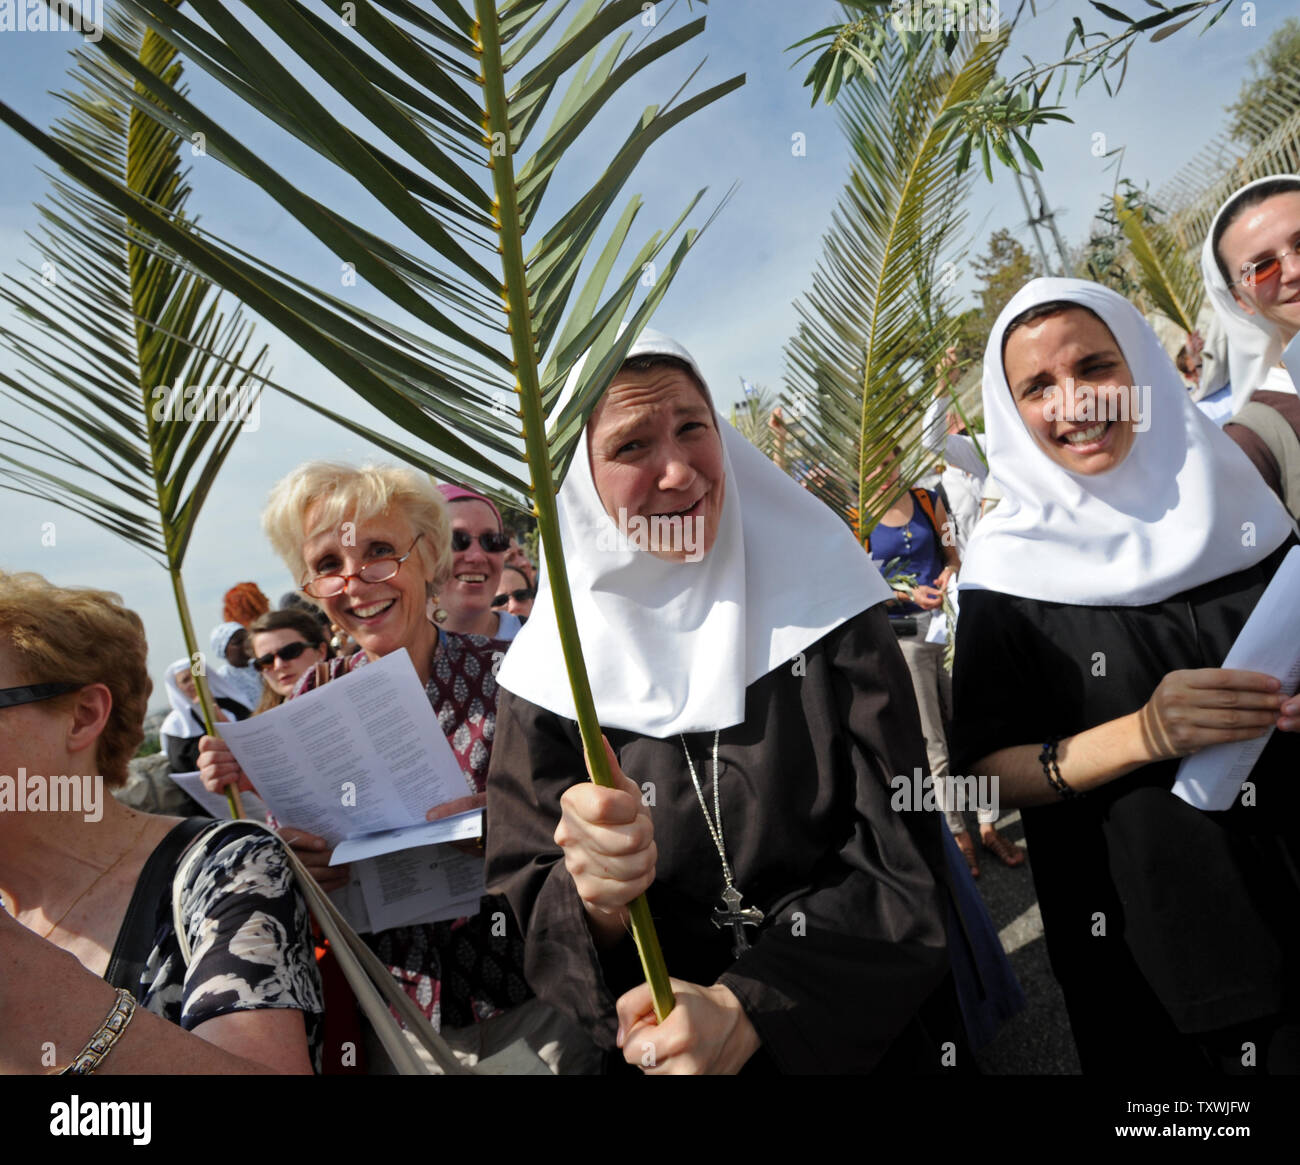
(491, 543)
(520, 596)
(30, 693)
(288, 652)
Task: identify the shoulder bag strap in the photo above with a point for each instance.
(922, 497)
(135, 938)
(371, 982)
(1282, 441)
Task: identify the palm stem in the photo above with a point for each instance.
(516, 299)
(200, 678)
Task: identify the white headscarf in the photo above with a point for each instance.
(1254, 345)
(671, 647)
(180, 722)
(1172, 515)
(241, 684)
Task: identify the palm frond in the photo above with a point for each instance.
(758, 418)
(113, 335)
(1171, 281)
(140, 380)
(435, 115)
(859, 369)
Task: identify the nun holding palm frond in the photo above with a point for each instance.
(758, 715)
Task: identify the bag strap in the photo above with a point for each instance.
(922, 497)
(139, 926)
(1283, 442)
(371, 982)
(373, 985)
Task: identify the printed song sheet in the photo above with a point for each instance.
(1269, 643)
(364, 755)
(398, 887)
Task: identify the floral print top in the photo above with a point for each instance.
(250, 941)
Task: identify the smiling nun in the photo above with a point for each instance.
(757, 709)
(1098, 602)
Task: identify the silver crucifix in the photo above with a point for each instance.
(732, 914)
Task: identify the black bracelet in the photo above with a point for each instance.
(1047, 758)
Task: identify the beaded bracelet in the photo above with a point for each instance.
(1047, 758)
(101, 1043)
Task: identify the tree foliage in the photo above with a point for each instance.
(1268, 83)
(997, 122)
(859, 369)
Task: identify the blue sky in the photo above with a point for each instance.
(732, 305)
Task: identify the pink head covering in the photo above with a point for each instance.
(457, 493)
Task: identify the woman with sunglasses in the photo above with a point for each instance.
(479, 544)
(88, 927)
(370, 546)
(516, 595)
(285, 644)
(1251, 266)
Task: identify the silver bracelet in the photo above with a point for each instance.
(101, 1043)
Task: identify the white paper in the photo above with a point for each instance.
(1291, 358)
(360, 762)
(1269, 643)
(350, 902)
(460, 827)
(362, 754)
(428, 884)
(215, 803)
(349, 899)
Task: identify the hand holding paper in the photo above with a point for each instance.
(363, 760)
(1268, 643)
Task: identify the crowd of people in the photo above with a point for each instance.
(1087, 563)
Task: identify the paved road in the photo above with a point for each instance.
(1038, 1041)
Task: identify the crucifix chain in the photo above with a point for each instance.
(731, 913)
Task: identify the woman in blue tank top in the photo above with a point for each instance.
(907, 534)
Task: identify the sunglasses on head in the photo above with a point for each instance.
(289, 651)
(522, 595)
(491, 543)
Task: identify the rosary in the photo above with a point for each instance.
(731, 913)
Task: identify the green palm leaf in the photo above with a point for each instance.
(124, 353)
(1171, 281)
(756, 418)
(860, 367)
(486, 308)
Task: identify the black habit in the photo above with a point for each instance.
(1171, 930)
(849, 972)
